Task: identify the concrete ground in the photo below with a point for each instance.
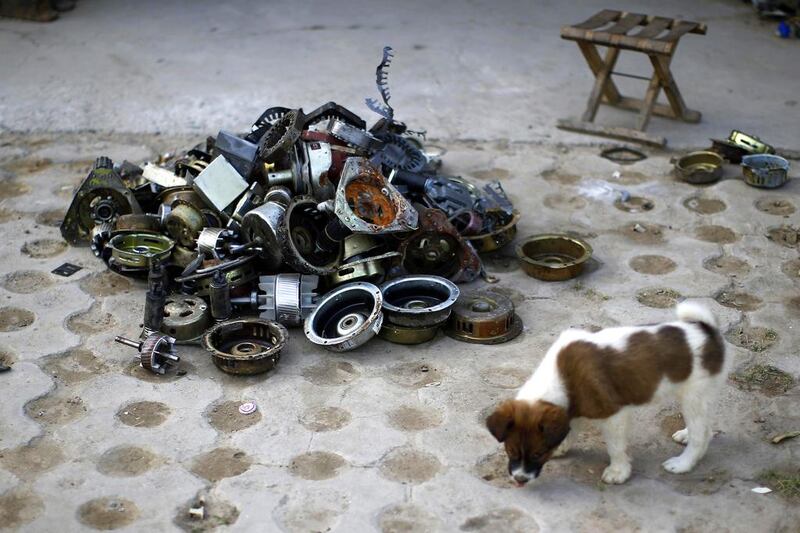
(389, 437)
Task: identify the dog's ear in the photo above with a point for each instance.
(554, 424)
(501, 420)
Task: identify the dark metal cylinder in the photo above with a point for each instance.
(334, 234)
(155, 299)
(219, 294)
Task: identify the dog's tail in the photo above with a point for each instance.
(689, 311)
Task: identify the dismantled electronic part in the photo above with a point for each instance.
(245, 346)
(137, 251)
(504, 229)
(346, 317)
(262, 224)
(300, 236)
(156, 352)
(436, 248)
(287, 298)
(101, 197)
(219, 184)
(66, 270)
(367, 203)
(483, 317)
(407, 335)
(155, 299)
(186, 318)
(184, 223)
(418, 301)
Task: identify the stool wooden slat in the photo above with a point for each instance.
(657, 37)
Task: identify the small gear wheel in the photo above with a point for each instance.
(401, 154)
(280, 138)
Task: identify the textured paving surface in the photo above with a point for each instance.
(388, 437)
(483, 69)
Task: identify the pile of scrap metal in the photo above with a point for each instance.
(297, 221)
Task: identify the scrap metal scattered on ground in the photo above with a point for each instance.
(298, 220)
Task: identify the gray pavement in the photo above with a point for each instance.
(387, 438)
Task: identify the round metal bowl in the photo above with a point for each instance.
(138, 250)
(728, 150)
(418, 301)
(699, 167)
(553, 257)
(765, 171)
(406, 335)
(346, 317)
(246, 345)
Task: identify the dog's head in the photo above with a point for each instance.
(530, 433)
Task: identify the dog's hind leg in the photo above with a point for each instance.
(694, 404)
(615, 433)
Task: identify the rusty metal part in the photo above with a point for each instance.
(750, 143)
(156, 352)
(765, 170)
(101, 197)
(699, 167)
(281, 136)
(287, 298)
(418, 301)
(367, 203)
(504, 232)
(370, 269)
(99, 237)
(184, 223)
(237, 276)
(483, 317)
(187, 194)
(553, 257)
(245, 346)
(182, 256)
(139, 223)
(437, 248)
(467, 222)
(300, 236)
(186, 317)
(407, 335)
(729, 151)
(346, 317)
(137, 251)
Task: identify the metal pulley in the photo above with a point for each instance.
(346, 317)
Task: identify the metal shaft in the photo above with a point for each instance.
(128, 342)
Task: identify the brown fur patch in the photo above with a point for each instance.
(713, 354)
(529, 431)
(600, 381)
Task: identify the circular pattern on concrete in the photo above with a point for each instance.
(29, 460)
(43, 248)
(634, 204)
(413, 374)
(754, 338)
(643, 232)
(505, 377)
(8, 214)
(221, 463)
(75, 366)
(27, 281)
(11, 188)
(493, 469)
(408, 465)
(127, 461)
(738, 300)
(15, 318)
(52, 218)
(408, 418)
(91, 322)
(407, 518)
(143, 414)
(563, 202)
(775, 206)
(105, 283)
(658, 297)
(55, 410)
(225, 417)
(786, 236)
(18, 507)
(110, 512)
(792, 268)
(716, 234)
(727, 265)
(655, 265)
(704, 206)
(317, 465)
(325, 419)
(331, 373)
(507, 520)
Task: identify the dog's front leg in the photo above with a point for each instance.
(576, 425)
(615, 433)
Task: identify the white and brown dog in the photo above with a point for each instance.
(602, 376)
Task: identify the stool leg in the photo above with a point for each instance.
(661, 68)
(596, 63)
(649, 101)
(602, 78)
